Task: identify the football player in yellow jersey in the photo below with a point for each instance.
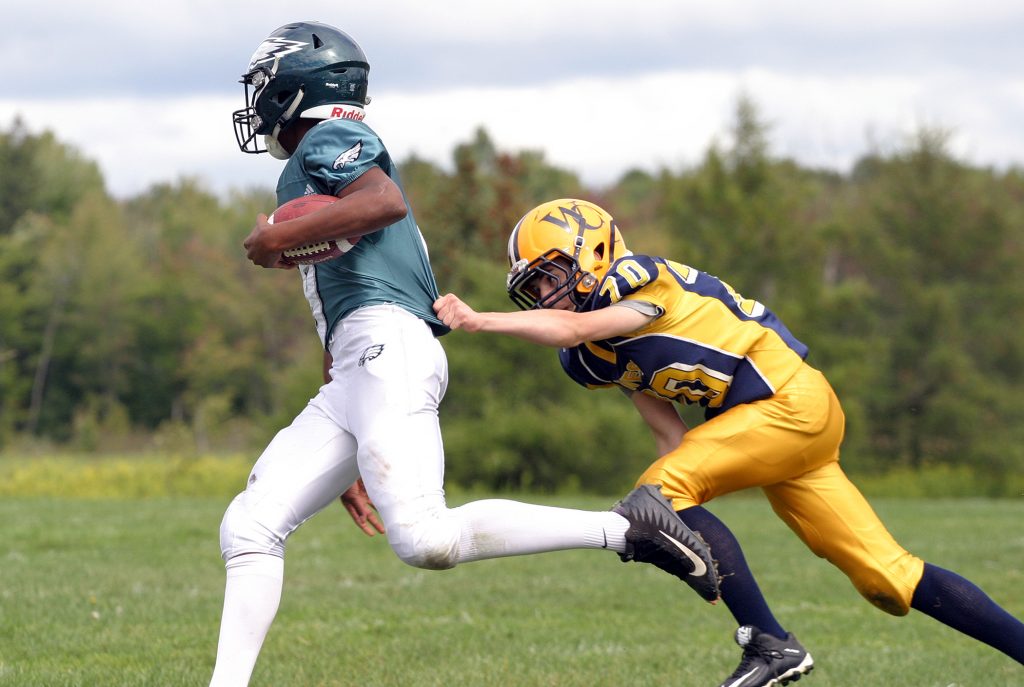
(666, 332)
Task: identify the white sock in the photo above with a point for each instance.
(251, 597)
(492, 528)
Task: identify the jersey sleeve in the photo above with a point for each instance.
(647, 308)
(336, 152)
(624, 285)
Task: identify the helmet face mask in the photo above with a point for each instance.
(570, 244)
(248, 123)
(556, 266)
(306, 69)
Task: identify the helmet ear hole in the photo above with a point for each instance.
(599, 251)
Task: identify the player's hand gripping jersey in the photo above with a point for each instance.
(708, 344)
(387, 266)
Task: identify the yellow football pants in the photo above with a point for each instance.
(789, 446)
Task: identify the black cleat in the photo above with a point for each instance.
(656, 535)
(768, 660)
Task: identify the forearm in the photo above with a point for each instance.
(662, 419)
(665, 443)
(349, 216)
(553, 328)
(371, 202)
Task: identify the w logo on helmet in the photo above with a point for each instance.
(582, 217)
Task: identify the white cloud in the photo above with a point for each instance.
(600, 86)
(138, 142)
(118, 46)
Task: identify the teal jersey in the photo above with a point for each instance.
(388, 266)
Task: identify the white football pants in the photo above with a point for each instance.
(376, 419)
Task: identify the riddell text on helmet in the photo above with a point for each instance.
(348, 113)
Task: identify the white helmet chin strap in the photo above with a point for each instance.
(275, 149)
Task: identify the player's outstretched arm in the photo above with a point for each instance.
(556, 328)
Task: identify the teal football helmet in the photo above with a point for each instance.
(306, 69)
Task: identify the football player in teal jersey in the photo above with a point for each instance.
(665, 332)
(371, 434)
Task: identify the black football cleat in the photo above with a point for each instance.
(657, 536)
(768, 660)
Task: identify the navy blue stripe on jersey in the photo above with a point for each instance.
(645, 269)
(586, 369)
(711, 346)
(712, 287)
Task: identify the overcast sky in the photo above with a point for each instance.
(601, 87)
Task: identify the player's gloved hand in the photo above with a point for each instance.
(357, 503)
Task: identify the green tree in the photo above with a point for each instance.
(142, 321)
(43, 184)
(940, 243)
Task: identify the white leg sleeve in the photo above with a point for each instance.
(494, 527)
(251, 596)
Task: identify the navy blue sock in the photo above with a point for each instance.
(957, 602)
(739, 589)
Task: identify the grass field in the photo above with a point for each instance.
(127, 593)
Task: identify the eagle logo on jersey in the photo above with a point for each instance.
(273, 48)
(350, 155)
(370, 353)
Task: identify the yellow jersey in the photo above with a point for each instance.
(707, 344)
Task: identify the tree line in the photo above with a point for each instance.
(137, 324)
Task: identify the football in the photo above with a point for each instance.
(312, 252)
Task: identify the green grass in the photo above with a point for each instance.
(118, 592)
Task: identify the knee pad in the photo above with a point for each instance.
(677, 488)
(883, 591)
(243, 531)
(431, 543)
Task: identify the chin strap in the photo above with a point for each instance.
(274, 147)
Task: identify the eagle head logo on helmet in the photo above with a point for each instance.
(572, 242)
(301, 70)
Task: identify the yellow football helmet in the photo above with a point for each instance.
(569, 241)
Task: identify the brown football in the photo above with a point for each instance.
(312, 252)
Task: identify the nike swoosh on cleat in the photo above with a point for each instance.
(699, 568)
(742, 679)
